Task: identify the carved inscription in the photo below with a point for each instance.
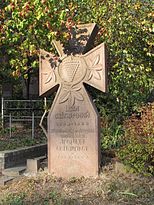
(72, 145)
(72, 126)
(71, 115)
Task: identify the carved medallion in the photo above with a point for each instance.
(72, 70)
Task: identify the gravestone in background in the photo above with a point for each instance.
(33, 88)
(73, 122)
(7, 90)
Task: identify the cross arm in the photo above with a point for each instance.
(97, 70)
(47, 73)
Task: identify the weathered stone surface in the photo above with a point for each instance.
(5, 179)
(73, 140)
(73, 122)
(11, 158)
(14, 171)
(33, 165)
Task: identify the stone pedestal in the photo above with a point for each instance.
(73, 141)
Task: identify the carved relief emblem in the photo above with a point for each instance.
(72, 70)
(49, 76)
(95, 67)
(71, 94)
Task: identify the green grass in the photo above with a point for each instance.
(19, 139)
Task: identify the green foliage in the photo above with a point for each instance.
(13, 199)
(138, 151)
(55, 198)
(19, 141)
(111, 133)
(125, 26)
(20, 199)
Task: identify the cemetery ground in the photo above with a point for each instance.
(20, 138)
(112, 187)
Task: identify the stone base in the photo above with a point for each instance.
(14, 171)
(12, 158)
(33, 165)
(5, 180)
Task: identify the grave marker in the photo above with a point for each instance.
(7, 90)
(73, 122)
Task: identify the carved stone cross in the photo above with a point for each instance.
(73, 122)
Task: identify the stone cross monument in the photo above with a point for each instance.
(73, 122)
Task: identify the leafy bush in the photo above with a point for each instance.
(111, 132)
(138, 151)
(125, 26)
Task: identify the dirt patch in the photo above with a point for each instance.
(110, 188)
